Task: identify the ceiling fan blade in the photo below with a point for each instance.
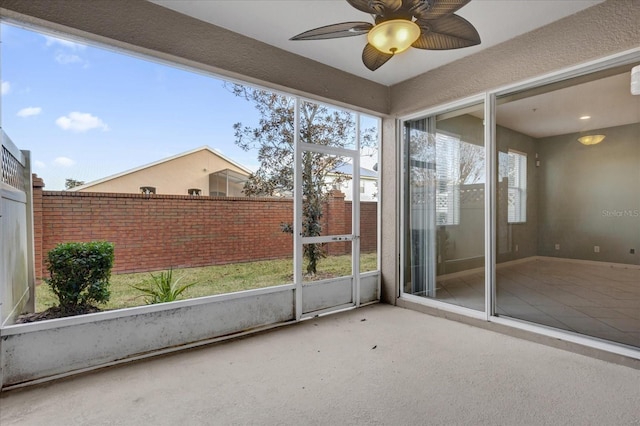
(450, 32)
(433, 9)
(376, 7)
(373, 58)
(343, 29)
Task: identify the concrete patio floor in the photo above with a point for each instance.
(375, 365)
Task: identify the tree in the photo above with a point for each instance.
(72, 183)
(471, 163)
(273, 137)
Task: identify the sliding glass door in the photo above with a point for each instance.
(443, 207)
(568, 206)
(546, 232)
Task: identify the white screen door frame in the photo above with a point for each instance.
(326, 289)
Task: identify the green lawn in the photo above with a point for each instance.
(214, 279)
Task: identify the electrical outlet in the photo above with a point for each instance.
(596, 249)
(557, 246)
(632, 251)
(516, 247)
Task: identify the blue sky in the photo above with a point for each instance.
(87, 113)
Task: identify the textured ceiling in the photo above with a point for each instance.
(606, 101)
(275, 21)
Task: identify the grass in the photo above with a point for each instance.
(212, 280)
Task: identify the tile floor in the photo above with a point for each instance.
(602, 301)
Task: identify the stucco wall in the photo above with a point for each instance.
(601, 30)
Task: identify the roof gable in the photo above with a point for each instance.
(160, 162)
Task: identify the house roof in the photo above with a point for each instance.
(164, 160)
(347, 169)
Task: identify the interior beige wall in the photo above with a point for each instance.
(522, 235)
(589, 196)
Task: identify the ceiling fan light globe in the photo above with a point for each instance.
(591, 139)
(393, 36)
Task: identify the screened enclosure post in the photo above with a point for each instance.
(297, 209)
(355, 218)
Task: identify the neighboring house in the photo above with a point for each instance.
(368, 182)
(201, 171)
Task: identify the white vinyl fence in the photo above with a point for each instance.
(16, 233)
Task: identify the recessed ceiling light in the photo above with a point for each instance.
(585, 117)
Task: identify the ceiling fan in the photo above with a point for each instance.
(400, 24)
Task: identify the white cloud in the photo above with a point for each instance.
(81, 122)
(39, 164)
(66, 58)
(29, 111)
(64, 162)
(66, 51)
(6, 87)
(50, 41)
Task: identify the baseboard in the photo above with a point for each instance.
(479, 270)
(588, 262)
(468, 272)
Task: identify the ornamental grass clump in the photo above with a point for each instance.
(162, 288)
(79, 274)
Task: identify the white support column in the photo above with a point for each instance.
(297, 210)
(400, 206)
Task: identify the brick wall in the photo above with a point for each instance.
(368, 224)
(38, 184)
(152, 232)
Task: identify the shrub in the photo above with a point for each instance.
(162, 288)
(79, 274)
